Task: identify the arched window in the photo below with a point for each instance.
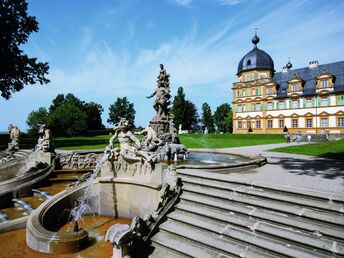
(249, 62)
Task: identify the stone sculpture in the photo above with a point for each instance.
(44, 139)
(151, 141)
(162, 93)
(130, 146)
(13, 145)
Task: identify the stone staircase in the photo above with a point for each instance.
(219, 218)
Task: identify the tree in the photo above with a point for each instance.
(94, 119)
(179, 108)
(190, 116)
(35, 118)
(207, 118)
(222, 118)
(67, 119)
(16, 68)
(122, 108)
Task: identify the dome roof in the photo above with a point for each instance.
(256, 59)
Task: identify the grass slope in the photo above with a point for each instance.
(321, 149)
(228, 140)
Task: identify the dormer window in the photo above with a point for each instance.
(324, 84)
(249, 62)
(294, 87)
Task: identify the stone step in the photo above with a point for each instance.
(328, 196)
(268, 243)
(232, 207)
(162, 251)
(177, 246)
(314, 240)
(268, 194)
(321, 215)
(222, 244)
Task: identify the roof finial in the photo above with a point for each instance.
(289, 65)
(255, 39)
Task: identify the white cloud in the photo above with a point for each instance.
(181, 2)
(230, 2)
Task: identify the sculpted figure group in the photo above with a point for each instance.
(162, 93)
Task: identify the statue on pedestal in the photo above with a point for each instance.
(162, 93)
(44, 139)
(14, 133)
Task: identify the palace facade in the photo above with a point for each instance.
(306, 100)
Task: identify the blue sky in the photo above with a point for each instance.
(104, 49)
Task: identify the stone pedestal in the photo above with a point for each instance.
(161, 126)
(125, 194)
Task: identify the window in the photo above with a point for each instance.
(323, 122)
(239, 124)
(249, 62)
(294, 123)
(258, 124)
(269, 90)
(324, 102)
(281, 123)
(269, 123)
(324, 84)
(248, 107)
(258, 107)
(248, 124)
(239, 93)
(257, 91)
(281, 105)
(340, 121)
(239, 108)
(340, 100)
(294, 104)
(269, 106)
(262, 75)
(294, 87)
(249, 77)
(248, 93)
(309, 103)
(309, 122)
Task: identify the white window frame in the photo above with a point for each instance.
(340, 121)
(322, 120)
(309, 122)
(295, 123)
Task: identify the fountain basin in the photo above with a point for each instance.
(43, 223)
(213, 160)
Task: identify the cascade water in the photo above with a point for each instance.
(82, 206)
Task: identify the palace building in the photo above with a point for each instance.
(306, 100)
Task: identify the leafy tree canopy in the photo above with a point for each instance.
(122, 108)
(223, 119)
(35, 118)
(68, 116)
(207, 117)
(16, 68)
(190, 116)
(179, 108)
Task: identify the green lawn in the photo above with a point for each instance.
(228, 140)
(321, 149)
(189, 140)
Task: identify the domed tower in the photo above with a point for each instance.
(253, 91)
(256, 60)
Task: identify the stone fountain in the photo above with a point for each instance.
(132, 180)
